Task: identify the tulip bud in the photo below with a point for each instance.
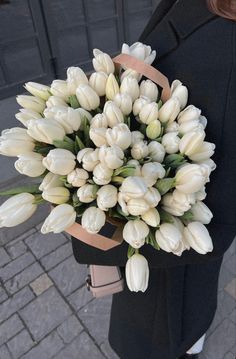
(201, 213)
(190, 126)
(17, 209)
(139, 104)
(191, 141)
(124, 102)
(177, 203)
(130, 73)
(77, 177)
(156, 151)
(99, 121)
(139, 150)
(50, 180)
(135, 232)
(59, 161)
(15, 141)
(44, 130)
(98, 81)
(55, 101)
(201, 194)
(171, 141)
(102, 174)
(75, 77)
(151, 171)
(89, 158)
(38, 90)
(25, 115)
(137, 206)
(151, 217)
(170, 110)
(149, 113)
(93, 219)
(179, 91)
(31, 103)
(190, 178)
(190, 113)
(30, 164)
(112, 87)
(169, 238)
(67, 117)
(172, 127)
(107, 197)
(130, 85)
(103, 62)
(112, 156)
(152, 197)
(136, 136)
(113, 114)
(87, 97)
(133, 187)
(87, 193)
(59, 88)
(119, 135)
(140, 51)
(137, 169)
(153, 130)
(204, 152)
(137, 273)
(56, 195)
(149, 89)
(60, 218)
(197, 235)
(98, 136)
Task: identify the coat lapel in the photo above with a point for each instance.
(174, 21)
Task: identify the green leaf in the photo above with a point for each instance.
(130, 252)
(125, 171)
(187, 216)
(74, 103)
(174, 160)
(79, 142)
(164, 185)
(152, 240)
(64, 144)
(160, 103)
(34, 189)
(68, 140)
(165, 216)
(42, 150)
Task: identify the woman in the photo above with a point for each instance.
(195, 44)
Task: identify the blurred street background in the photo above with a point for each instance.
(45, 309)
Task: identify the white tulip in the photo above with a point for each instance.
(203, 121)
(87, 193)
(190, 178)
(60, 89)
(57, 195)
(139, 150)
(107, 197)
(78, 177)
(112, 156)
(75, 77)
(98, 81)
(55, 101)
(89, 158)
(44, 130)
(38, 90)
(172, 127)
(30, 164)
(102, 174)
(136, 136)
(130, 73)
(149, 89)
(133, 187)
(124, 102)
(136, 164)
(170, 110)
(201, 213)
(137, 206)
(151, 171)
(50, 180)
(204, 152)
(112, 87)
(60, 218)
(198, 237)
(179, 91)
(137, 273)
(113, 114)
(177, 203)
(135, 232)
(153, 130)
(171, 141)
(17, 209)
(210, 163)
(190, 126)
(191, 141)
(119, 135)
(15, 141)
(93, 219)
(31, 103)
(59, 161)
(152, 197)
(67, 117)
(103, 62)
(151, 217)
(149, 113)
(169, 238)
(179, 224)
(87, 97)
(122, 203)
(25, 115)
(156, 151)
(130, 85)
(98, 121)
(201, 194)
(190, 113)
(139, 104)
(140, 51)
(98, 136)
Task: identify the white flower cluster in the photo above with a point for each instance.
(78, 138)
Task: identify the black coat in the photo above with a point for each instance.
(198, 48)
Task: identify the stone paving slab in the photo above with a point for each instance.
(20, 344)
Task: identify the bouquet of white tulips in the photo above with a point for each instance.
(108, 146)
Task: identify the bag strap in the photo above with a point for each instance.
(147, 70)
